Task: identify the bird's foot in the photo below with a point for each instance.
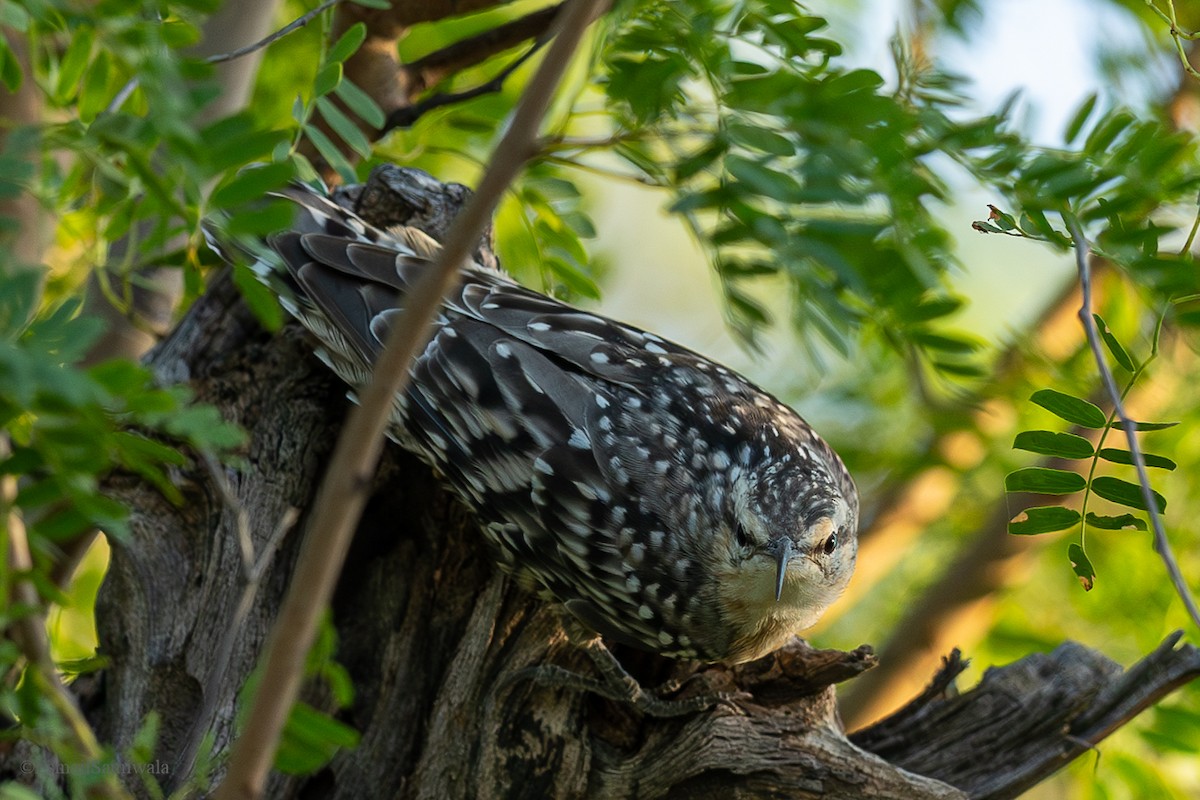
(616, 684)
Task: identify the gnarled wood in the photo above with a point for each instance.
(435, 639)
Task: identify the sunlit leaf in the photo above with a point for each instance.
(10, 68)
(328, 78)
(347, 44)
(1125, 493)
(344, 127)
(360, 103)
(1072, 409)
(1146, 426)
(1043, 480)
(73, 64)
(1117, 456)
(253, 183)
(1079, 119)
(1118, 351)
(1063, 445)
(1117, 523)
(1082, 566)
(1043, 519)
(330, 152)
(311, 739)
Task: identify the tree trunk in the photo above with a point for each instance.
(435, 639)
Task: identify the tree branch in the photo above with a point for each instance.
(1161, 543)
(294, 25)
(395, 87)
(1031, 717)
(406, 116)
(431, 69)
(343, 492)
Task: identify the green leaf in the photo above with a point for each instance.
(261, 300)
(94, 93)
(347, 44)
(310, 740)
(956, 343)
(330, 153)
(1121, 523)
(360, 103)
(1118, 352)
(1063, 445)
(574, 279)
(11, 790)
(73, 63)
(1107, 131)
(1003, 220)
(962, 369)
(1043, 480)
(1146, 426)
(253, 183)
(12, 15)
(236, 140)
(1125, 493)
(383, 5)
(1043, 519)
(760, 138)
(1077, 121)
(1118, 456)
(1082, 566)
(327, 79)
(762, 180)
(10, 67)
(1072, 409)
(19, 294)
(930, 308)
(344, 127)
(271, 217)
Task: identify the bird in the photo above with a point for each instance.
(664, 500)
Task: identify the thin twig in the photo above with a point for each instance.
(406, 116)
(432, 68)
(253, 568)
(294, 25)
(1161, 543)
(342, 495)
(1178, 34)
(131, 85)
(1191, 237)
(31, 638)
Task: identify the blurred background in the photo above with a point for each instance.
(937, 568)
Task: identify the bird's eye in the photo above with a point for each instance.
(830, 544)
(739, 533)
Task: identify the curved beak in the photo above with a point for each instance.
(781, 549)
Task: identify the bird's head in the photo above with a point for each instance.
(793, 541)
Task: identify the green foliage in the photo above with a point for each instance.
(545, 226)
(1073, 447)
(311, 737)
(787, 164)
(800, 175)
(69, 426)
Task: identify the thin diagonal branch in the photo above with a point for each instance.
(405, 117)
(131, 85)
(430, 69)
(1083, 254)
(294, 25)
(342, 495)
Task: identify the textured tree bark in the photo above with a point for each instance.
(436, 639)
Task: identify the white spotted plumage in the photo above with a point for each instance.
(655, 494)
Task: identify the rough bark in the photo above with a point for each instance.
(436, 640)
